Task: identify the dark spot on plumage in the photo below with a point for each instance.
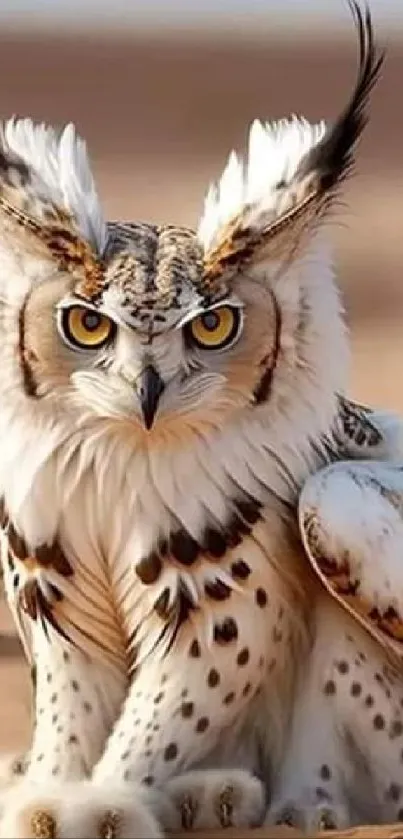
(16, 542)
(323, 794)
(393, 792)
(261, 597)
(236, 530)
(28, 599)
(183, 548)
(217, 590)
(184, 605)
(396, 729)
(226, 631)
(171, 752)
(213, 678)
(356, 689)
(202, 724)
(229, 698)
(243, 657)
(277, 635)
(149, 568)
(250, 510)
(34, 603)
(214, 542)
(187, 709)
(162, 605)
(52, 556)
(194, 650)
(240, 569)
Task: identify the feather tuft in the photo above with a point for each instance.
(56, 171)
(292, 171)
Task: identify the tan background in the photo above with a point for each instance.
(160, 117)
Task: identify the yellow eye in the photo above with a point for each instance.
(84, 328)
(217, 328)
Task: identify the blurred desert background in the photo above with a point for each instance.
(162, 94)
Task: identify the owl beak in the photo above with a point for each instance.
(149, 389)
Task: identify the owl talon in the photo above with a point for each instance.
(226, 807)
(310, 819)
(188, 810)
(215, 798)
(78, 809)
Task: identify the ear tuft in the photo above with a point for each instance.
(290, 177)
(57, 174)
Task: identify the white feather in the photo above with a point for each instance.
(274, 154)
(61, 161)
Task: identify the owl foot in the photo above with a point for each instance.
(310, 819)
(78, 809)
(208, 799)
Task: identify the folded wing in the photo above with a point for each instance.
(351, 522)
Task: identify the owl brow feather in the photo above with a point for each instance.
(311, 190)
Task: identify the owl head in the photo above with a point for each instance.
(163, 330)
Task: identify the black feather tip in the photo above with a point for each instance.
(333, 158)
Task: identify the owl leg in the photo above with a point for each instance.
(178, 707)
(343, 761)
(76, 703)
(310, 790)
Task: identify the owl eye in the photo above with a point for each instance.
(83, 328)
(216, 329)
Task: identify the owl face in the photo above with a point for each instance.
(164, 329)
(150, 350)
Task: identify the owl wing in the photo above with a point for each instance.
(351, 523)
(364, 433)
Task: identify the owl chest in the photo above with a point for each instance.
(224, 590)
(127, 581)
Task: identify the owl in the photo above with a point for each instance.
(200, 532)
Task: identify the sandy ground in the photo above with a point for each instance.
(160, 119)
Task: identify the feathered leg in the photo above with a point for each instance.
(343, 760)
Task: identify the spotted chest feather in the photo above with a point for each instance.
(36, 595)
